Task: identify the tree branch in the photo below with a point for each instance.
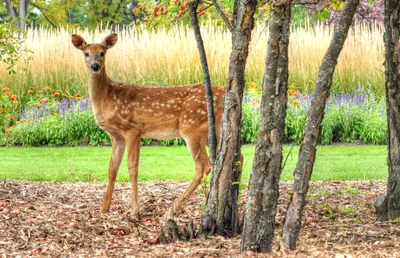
(363, 16)
(222, 14)
(11, 9)
(307, 2)
(117, 10)
(45, 16)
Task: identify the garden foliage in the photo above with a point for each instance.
(55, 119)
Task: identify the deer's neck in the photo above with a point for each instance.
(99, 87)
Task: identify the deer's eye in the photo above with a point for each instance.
(86, 54)
(101, 54)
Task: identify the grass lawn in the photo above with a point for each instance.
(361, 162)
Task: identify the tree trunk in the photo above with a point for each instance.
(389, 205)
(212, 139)
(292, 225)
(11, 10)
(221, 214)
(259, 223)
(23, 9)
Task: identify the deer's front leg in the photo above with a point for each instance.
(118, 149)
(133, 142)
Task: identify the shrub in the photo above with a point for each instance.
(359, 117)
(62, 123)
(70, 121)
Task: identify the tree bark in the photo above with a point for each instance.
(221, 213)
(389, 205)
(259, 222)
(303, 171)
(212, 139)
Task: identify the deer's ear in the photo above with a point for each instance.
(78, 41)
(110, 40)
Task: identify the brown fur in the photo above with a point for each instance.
(129, 112)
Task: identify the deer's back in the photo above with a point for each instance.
(158, 112)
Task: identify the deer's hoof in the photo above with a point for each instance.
(136, 215)
(104, 209)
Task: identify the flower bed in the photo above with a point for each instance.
(52, 118)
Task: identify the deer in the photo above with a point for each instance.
(129, 112)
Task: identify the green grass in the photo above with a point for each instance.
(362, 162)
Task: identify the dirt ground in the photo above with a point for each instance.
(63, 220)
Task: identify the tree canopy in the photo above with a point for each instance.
(94, 13)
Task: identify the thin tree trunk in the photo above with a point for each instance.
(11, 10)
(221, 214)
(292, 225)
(388, 207)
(259, 222)
(212, 139)
(23, 7)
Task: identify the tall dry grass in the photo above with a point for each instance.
(171, 58)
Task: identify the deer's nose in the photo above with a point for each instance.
(95, 67)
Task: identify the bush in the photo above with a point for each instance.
(54, 120)
(348, 118)
(62, 123)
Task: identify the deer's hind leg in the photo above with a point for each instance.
(118, 149)
(133, 142)
(197, 148)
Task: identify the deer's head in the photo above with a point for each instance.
(94, 54)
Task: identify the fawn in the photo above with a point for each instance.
(129, 111)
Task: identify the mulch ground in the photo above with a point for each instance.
(63, 220)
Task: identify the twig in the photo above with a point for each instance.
(362, 16)
(306, 2)
(262, 31)
(367, 235)
(290, 151)
(222, 14)
(122, 189)
(387, 222)
(27, 237)
(124, 247)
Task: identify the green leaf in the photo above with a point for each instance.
(324, 14)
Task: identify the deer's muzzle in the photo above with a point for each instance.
(95, 67)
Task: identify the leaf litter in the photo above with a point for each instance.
(43, 219)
